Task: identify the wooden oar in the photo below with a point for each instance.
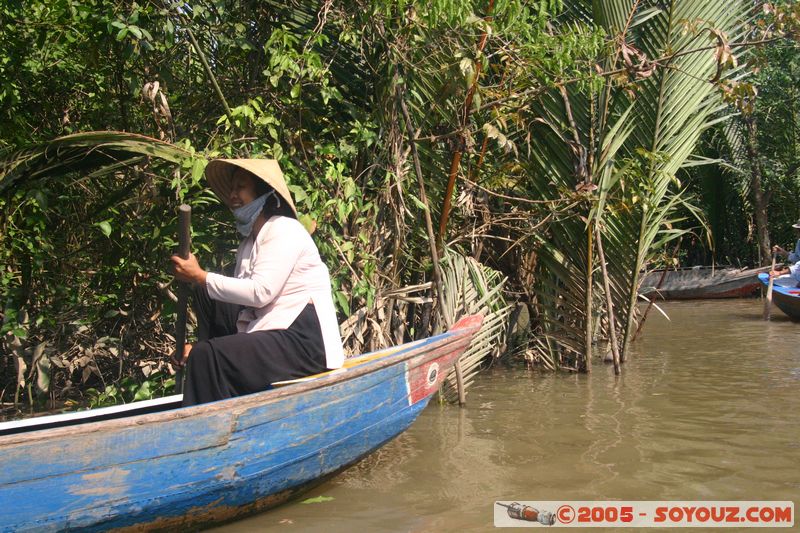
(184, 245)
(768, 302)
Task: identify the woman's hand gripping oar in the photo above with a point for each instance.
(184, 246)
(768, 302)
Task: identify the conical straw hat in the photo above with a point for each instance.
(220, 171)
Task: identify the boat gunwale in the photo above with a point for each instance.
(782, 289)
(719, 275)
(706, 268)
(461, 331)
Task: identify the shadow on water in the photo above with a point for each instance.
(707, 408)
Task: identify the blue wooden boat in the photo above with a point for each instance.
(155, 466)
(785, 294)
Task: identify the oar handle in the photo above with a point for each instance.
(768, 302)
(184, 230)
(184, 246)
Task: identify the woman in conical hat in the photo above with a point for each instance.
(274, 319)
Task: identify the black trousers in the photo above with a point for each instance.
(224, 363)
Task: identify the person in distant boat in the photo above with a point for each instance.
(274, 320)
(794, 255)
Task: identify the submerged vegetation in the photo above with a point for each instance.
(526, 158)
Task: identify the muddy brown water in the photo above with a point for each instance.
(707, 408)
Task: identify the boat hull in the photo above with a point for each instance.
(785, 295)
(217, 462)
(700, 283)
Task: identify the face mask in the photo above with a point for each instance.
(247, 214)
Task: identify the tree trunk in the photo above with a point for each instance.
(459, 151)
(759, 201)
(585, 359)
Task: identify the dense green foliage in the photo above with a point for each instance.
(549, 116)
(758, 150)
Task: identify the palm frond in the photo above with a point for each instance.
(637, 143)
(469, 288)
(672, 109)
(94, 152)
(739, 166)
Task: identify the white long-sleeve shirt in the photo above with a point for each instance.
(794, 270)
(277, 274)
(794, 256)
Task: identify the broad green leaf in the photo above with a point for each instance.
(298, 193)
(341, 299)
(318, 499)
(308, 222)
(143, 392)
(105, 227)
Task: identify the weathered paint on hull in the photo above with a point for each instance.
(216, 462)
(224, 503)
(737, 289)
(787, 299)
(700, 283)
